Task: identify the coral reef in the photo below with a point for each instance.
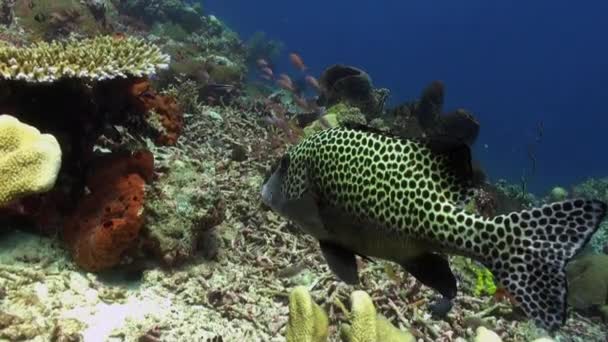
(51, 19)
(97, 58)
(176, 226)
(29, 160)
(183, 210)
(179, 12)
(595, 188)
(108, 219)
(588, 284)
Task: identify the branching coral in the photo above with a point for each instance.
(29, 161)
(108, 219)
(97, 58)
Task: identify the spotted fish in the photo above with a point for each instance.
(361, 192)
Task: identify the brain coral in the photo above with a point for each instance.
(29, 161)
(96, 58)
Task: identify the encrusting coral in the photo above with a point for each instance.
(108, 220)
(29, 161)
(307, 321)
(98, 58)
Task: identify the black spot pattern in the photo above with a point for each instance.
(405, 189)
(533, 268)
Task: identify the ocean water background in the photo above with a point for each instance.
(517, 65)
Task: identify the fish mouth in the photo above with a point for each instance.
(265, 195)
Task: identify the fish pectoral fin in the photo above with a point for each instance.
(304, 211)
(434, 271)
(341, 261)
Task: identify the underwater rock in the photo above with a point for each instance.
(588, 283)
(108, 219)
(182, 210)
(353, 86)
(483, 334)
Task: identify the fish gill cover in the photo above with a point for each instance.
(167, 118)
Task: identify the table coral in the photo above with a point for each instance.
(29, 161)
(98, 58)
(108, 220)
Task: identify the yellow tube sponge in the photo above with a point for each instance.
(307, 321)
(367, 326)
(29, 161)
(98, 58)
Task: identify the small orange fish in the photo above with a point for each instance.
(261, 62)
(313, 83)
(301, 102)
(286, 84)
(267, 71)
(297, 61)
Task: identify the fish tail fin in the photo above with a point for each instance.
(530, 249)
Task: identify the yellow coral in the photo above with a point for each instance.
(367, 326)
(96, 58)
(29, 161)
(307, 321)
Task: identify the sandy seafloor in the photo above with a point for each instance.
(241, 295)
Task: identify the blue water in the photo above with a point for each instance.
(514, 64)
